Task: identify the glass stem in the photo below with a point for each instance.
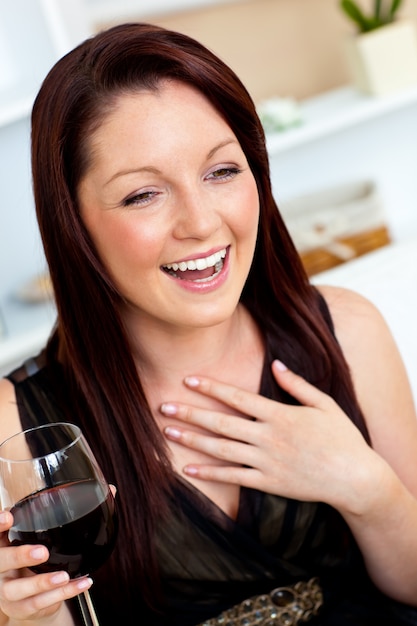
(87, 609)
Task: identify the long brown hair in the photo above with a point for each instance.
(98, 366)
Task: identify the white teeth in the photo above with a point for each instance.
(217, 269)
(197, 264)
(202, 264)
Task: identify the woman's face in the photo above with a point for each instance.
(172, 207)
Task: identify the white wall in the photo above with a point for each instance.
(20, 250)
(34, 34)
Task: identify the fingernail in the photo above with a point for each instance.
(4, 517)
(172, 432)
(168, 408)
(192, 381)
(84, 583)
(280, 366)
(59, 578)
(190, 470)
(38, 553)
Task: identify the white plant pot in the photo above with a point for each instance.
(385, 59)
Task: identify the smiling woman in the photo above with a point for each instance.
(260, 432)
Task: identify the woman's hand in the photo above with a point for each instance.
(26, 597)
(310, 452)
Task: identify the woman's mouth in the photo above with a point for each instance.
(198, 270)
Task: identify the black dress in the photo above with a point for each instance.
(210, 562)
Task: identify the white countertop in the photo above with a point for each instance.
(388, 278)
(27, 327)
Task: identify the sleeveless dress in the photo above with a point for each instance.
(210, 562)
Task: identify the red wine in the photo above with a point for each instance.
(75, 521)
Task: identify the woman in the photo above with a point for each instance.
(260, 433)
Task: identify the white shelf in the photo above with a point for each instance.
(335, 111)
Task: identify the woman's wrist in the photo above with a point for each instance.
(372, 487)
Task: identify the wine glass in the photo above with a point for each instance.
(55, 489)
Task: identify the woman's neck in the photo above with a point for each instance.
(165, 355)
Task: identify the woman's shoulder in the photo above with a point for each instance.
(341, 300)
(9, 413)
(26, 381)
(378, 373)
(354, 316)
(362, 332)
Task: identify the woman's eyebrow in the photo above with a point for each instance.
(133, 170)
(226, 142)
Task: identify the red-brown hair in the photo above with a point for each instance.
(90, 339)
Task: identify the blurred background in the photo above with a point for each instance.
(343, 151)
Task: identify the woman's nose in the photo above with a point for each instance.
(196, 218)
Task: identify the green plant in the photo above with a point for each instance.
(383, 13)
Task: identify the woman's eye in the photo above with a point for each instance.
(140, 198)
(224, 173)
